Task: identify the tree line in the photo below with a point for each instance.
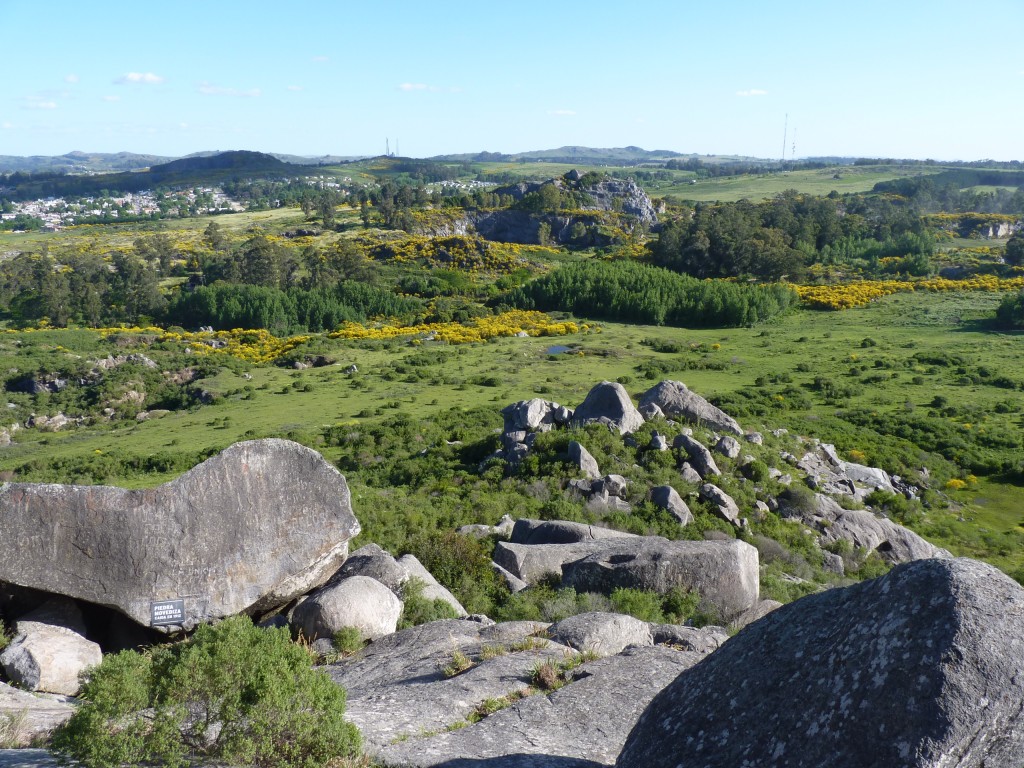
(626, 291)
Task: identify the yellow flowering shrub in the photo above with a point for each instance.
(476, 330)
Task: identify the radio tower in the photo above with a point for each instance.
(792, 153)
(785, 133)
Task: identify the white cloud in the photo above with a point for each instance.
(37, 102)
(752, 92)
(111, 98)
(216, 90)
(139, 78)
(6, 125)
(562, 112)
(72, 78)
(321, 59)
(296, 88)
(183, 126)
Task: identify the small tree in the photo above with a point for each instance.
(234, 693)
(1014, 254)
(1010, 313)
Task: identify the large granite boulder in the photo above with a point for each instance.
(918, 668)
(676, 401)
(358, 602)
(608, 403)
(247, 530)
(724, 573)
(50, 650)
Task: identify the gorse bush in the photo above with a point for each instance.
(234, 693)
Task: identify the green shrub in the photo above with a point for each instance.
(417, 609)
(348, 640)
(233, 692)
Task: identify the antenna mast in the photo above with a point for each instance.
(387, 148)
(792, 153)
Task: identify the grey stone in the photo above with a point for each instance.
(528, 531)
(651, 411)
(49, 651)
(432, 590)
(893, 542)
(728, 446)
(613, 485)
(250, 529)
(562, 415)
(514, 583)
(665, 496)
(608, 402)
(27, 758)
(759, 611)
(534, 415)
(689, 474)
(375, 563)
(703, 640)
(724, 504)
(724, 573)
(700, 456)
(918, 669)
(658, 443)
(602, 502)
(602, 633)
(754, 437)
(358, 601)
(675, 400)
(581, 457)
(582, 725)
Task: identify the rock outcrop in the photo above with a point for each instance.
(608, 403)
(918, 668)
(249, 529)
(676, 401)
(892, 541)
(410, 713)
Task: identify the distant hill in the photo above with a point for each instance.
(570, 154)
(80, 162)
(592, 156)
(240, 160)
(204, 169)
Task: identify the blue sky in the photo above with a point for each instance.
(901, 78)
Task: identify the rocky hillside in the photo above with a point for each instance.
(915, 668)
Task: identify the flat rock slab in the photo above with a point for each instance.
(919, 668)
(582, 724)
(397, 687)
(32, 716)
(249, 529)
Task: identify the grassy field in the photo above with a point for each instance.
(882, 358)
